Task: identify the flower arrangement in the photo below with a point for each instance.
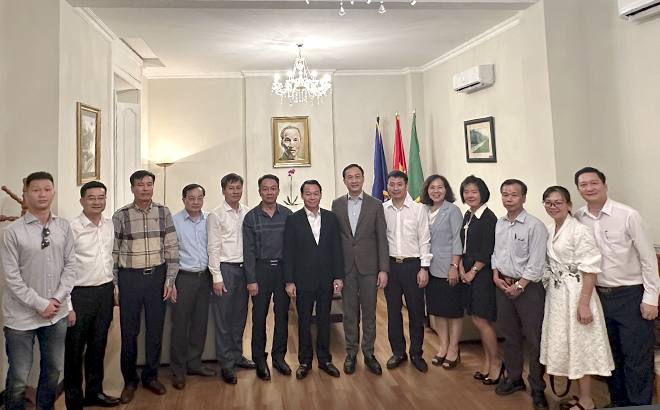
(288, 200)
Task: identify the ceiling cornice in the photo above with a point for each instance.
(93, 20)
(156, 76)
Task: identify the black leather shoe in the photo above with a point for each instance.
(263, 372)
(302, 371)
(419, 363)
(280, 365)
(178, 382)
(155, 387)
(202, 371)
(373, 365)
(395, 361)
(329, 368)
(245, 363)
(506, 387)
(228, 376)
(128, 393)
(349, 364)
(539, 401)
(101, 400)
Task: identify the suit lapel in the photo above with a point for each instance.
(343, 213)
(442, 214)
(363, 208)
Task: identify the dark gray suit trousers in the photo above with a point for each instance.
(359, 295)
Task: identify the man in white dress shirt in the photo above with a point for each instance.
(628, 288)
(92, 302)
(230, 294)
(409, 239)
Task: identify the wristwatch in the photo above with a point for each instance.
(454, 265)
(474, 268)
(519, 287)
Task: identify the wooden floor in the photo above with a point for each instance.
(401, 389)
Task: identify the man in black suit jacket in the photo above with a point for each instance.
(313, 270)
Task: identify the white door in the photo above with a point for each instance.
(127, 155)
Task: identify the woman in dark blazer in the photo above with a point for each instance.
(443, 297)
(478, 238)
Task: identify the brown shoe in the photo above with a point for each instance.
(178, 382)
(128, 393)
(155, 387)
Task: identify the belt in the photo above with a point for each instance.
(196, 274)
(508, 279)
(94, 287)
(271, 262)
(610, 290)
(144, 271)
(401, 260)
(237, 264)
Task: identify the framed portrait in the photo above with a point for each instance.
(291, 142)
(480, 140)
(89, 143)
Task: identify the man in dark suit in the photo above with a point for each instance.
(366, 263)
(313, 270)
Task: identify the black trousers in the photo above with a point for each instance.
(519, 319)
(137, 291)
(270, 279)
(402, 281)
(305, 301)
(190, 316)
(88, 337)
(631, 338)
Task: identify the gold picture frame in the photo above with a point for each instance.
(88, 142)
(291, 142)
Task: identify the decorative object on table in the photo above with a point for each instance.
(15, 197)
(89, 143)
(291, 142)
(164, 165)
(301, 85)
(480, 140)
(288, 200)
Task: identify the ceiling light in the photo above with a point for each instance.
(301, 84)
(341, 8)
(412, 2)
(381, 9)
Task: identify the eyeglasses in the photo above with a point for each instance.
(555, 204)
(45, 242)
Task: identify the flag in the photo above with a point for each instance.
(378, 189)
(399, 156)
(415, 176)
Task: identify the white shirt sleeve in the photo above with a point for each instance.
(214, 246)
(641, 238)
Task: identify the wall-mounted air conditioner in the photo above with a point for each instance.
(638, 9)
(474, 79)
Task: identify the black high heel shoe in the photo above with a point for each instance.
(480, 376)
(451, 364)
(489, 382)
(438, 361)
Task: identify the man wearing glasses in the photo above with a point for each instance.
(39, 263)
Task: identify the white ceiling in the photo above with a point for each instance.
(208, 37)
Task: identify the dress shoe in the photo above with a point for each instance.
(101, 400)
(280, 365)
(202, 371)
(245, 363)
(263, 372)
(128, 393)
(178, 382)
(329, 368)
(155, 387)
(228, 376)
(349, 364)
(419, 363)
(373, 365)
(506, 387)
(395, 361)
(539, 401)
(302, 371)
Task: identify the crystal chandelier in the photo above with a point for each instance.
(301, 84)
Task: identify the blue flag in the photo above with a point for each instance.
(378, 189)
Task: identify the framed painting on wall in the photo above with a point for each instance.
(89, 143)
(291, 141)
(480, 140)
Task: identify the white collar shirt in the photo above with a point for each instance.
(225, 237)
(314, 223)
(408, 234)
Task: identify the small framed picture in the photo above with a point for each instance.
(480, 140)
(291, 141)
(89, 143)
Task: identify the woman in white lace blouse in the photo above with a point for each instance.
(574, 341)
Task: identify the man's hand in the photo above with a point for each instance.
(169, 293)
(382, 280)
(51, 310)
(500, 283)
(337, 285)
(219, 287)
(116, 296)
(584, 315)
(649, 312)
(253, 289)
(291, 290)
(72, 318)
(422, 278)
(512, 292)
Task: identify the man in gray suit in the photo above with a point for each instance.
(366, 260)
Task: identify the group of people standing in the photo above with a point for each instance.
(566, 288)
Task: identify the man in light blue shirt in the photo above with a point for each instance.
(193, 283)
(517, 262)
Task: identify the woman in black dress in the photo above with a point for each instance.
(478, 239)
